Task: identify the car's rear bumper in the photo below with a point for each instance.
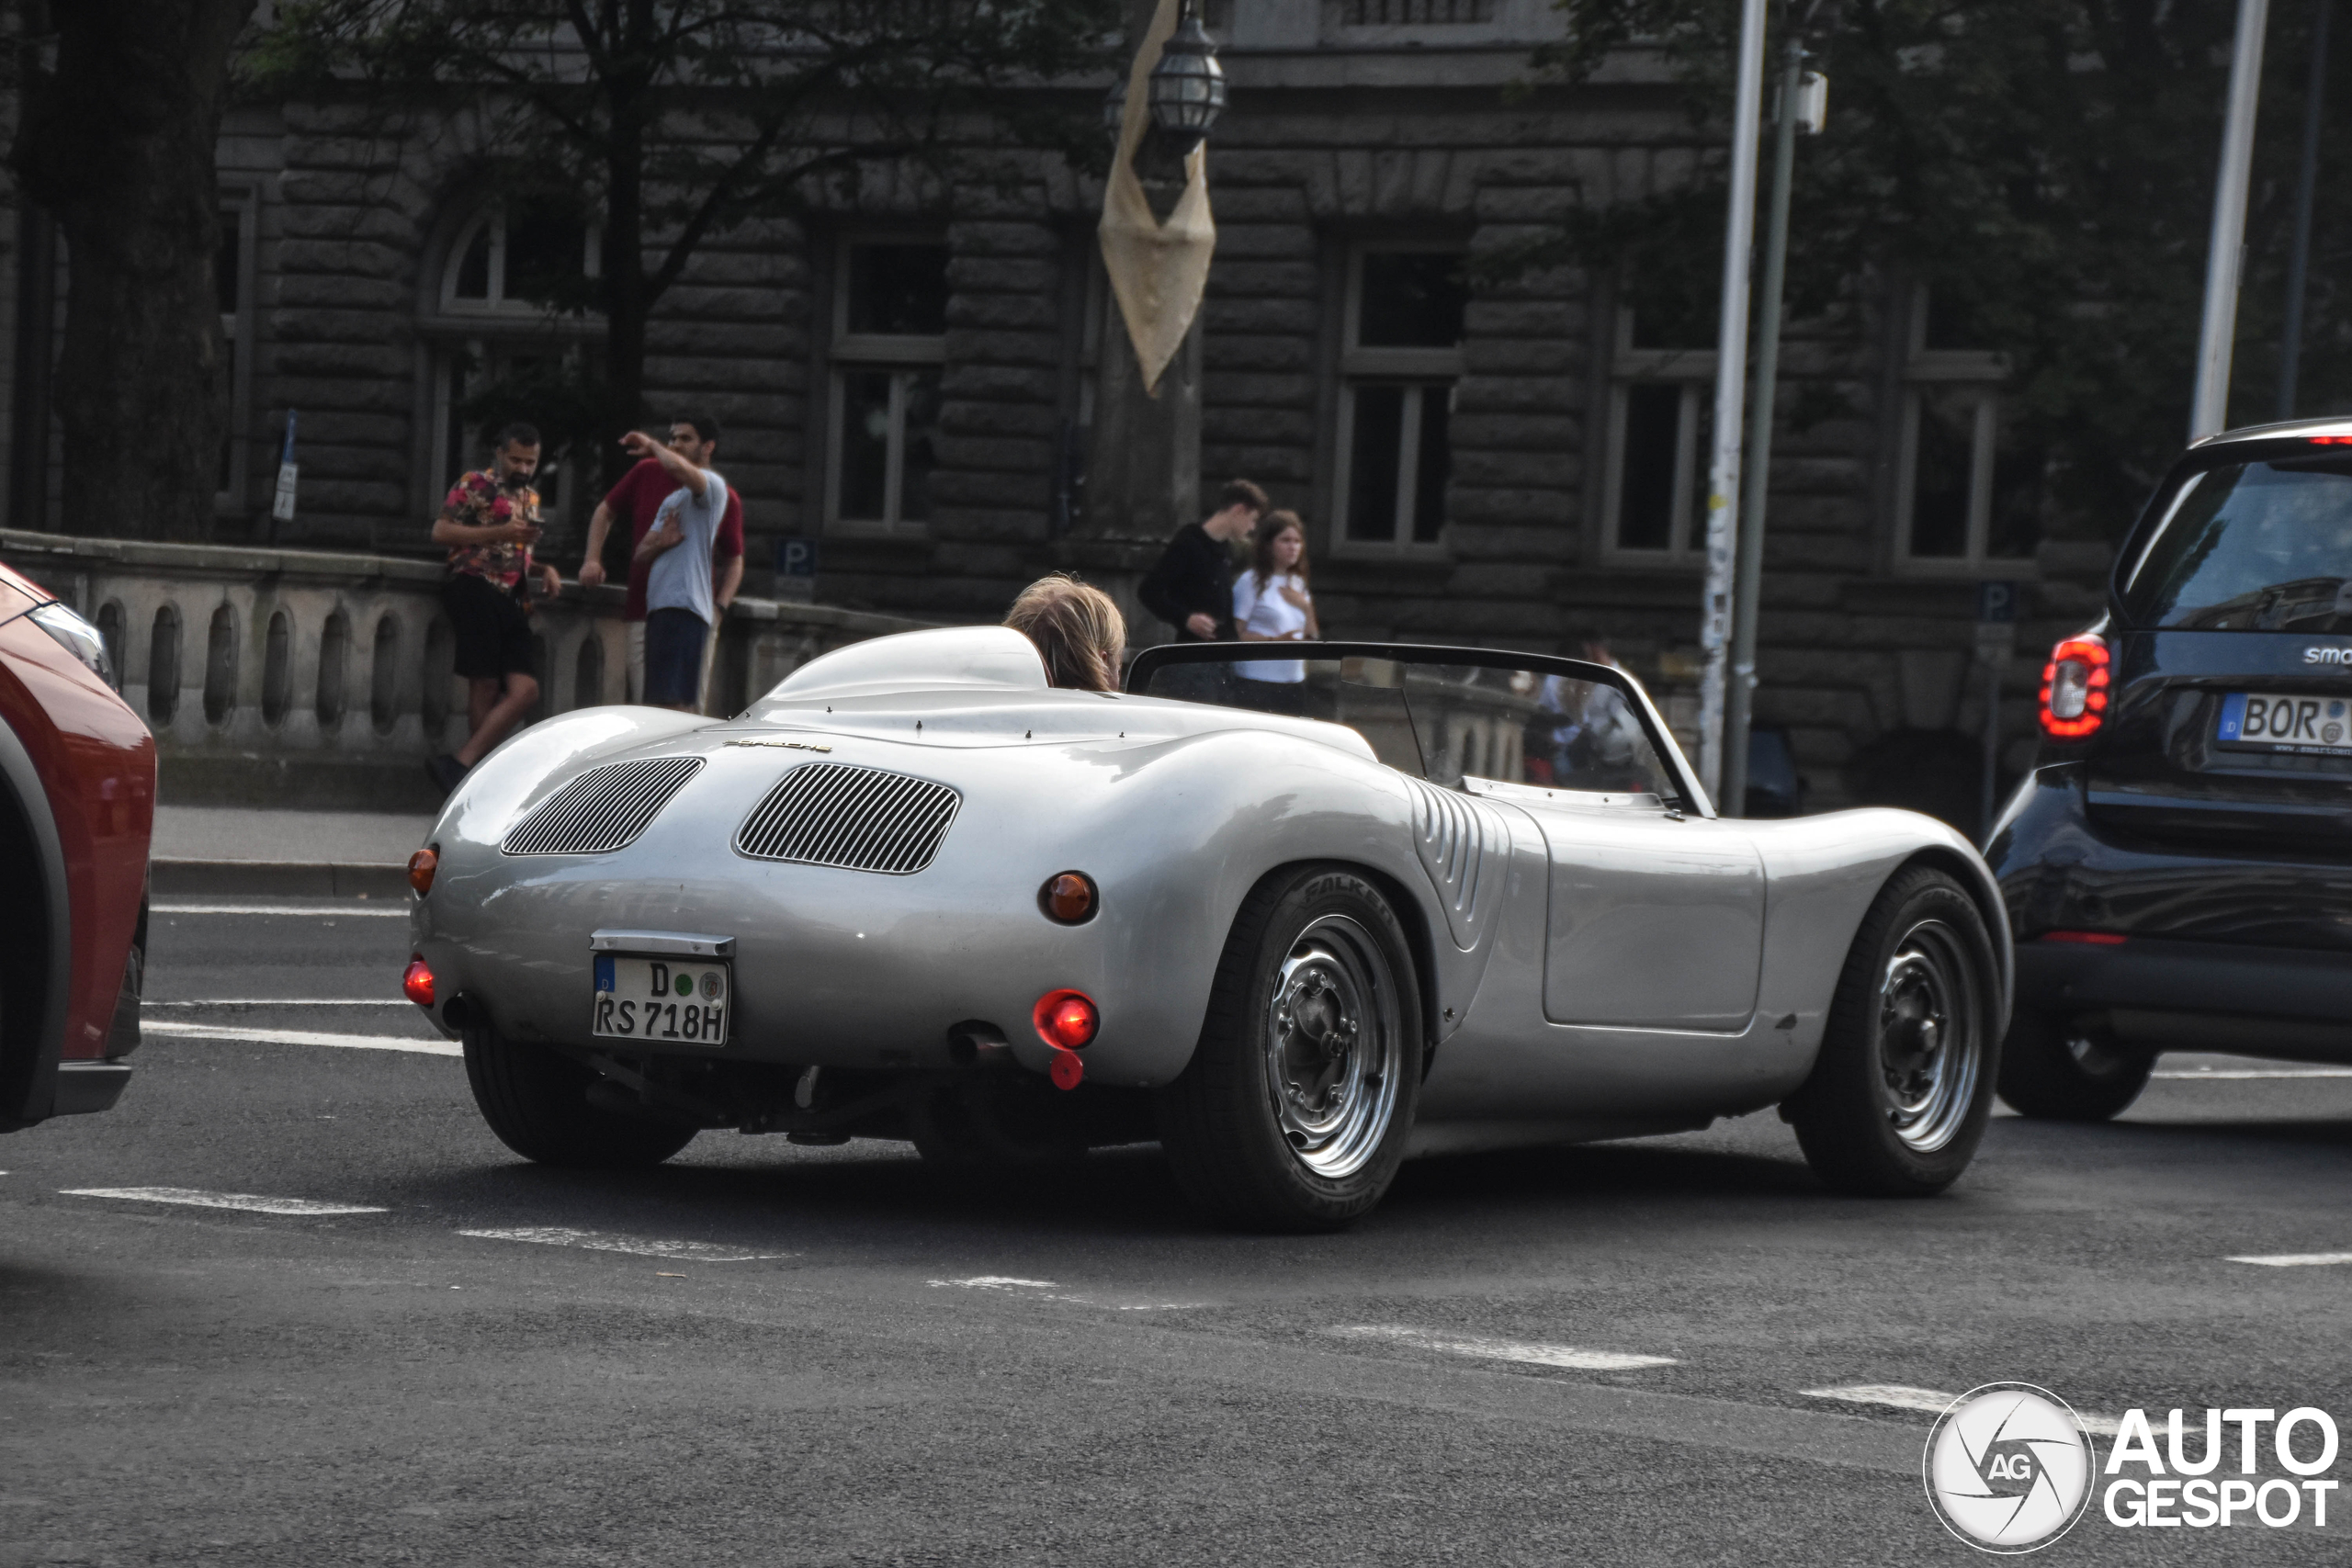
(2207, 949)
(86, 1086)
(2204, 996)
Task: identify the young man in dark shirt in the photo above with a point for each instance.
(1191, 587)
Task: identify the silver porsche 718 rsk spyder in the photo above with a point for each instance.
(1296, 911)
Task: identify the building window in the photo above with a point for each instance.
(1660, 420)
(1967, 493)
(514, 325)
(232, 275)
(1399, 364)
(889, 340)
(1416, 12)
(522, 264)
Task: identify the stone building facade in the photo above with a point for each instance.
(909, 384)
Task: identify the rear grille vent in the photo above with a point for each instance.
(856, 818)
(603, 809)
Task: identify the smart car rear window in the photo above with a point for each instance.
(2251, 547)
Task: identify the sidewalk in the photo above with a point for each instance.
(312, 854)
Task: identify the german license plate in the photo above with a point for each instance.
(673, 1000)
(2257, 722)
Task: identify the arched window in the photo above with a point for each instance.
(514, 309)
(519, 260)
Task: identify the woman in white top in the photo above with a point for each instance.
(1271, 603)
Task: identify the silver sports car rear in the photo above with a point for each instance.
(1294, 920)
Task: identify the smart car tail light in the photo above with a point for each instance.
(2075, 688)
(421, 867)
(418, 981)
(1066, 1019)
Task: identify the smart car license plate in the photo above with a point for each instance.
(2254, 721)
(673, 1000)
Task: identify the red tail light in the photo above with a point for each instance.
(418, 981)
(2092, 938)
(2074, 688)
(1066, 1019)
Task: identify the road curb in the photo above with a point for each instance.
(281, 879)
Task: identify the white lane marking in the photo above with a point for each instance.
(1046, 1292)
(2261, 1073)
(287, 1002)
(338, 910)
(302, 1037)
(251, 1202)
(643, 1246)
(1487, 1347)
(1933, 1402)
(2296, 1260)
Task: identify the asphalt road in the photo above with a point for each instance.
(767, 1354)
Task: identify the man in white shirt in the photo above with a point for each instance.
(681, 609)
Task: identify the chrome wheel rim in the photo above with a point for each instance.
(1334, 1047)
(1930, 1037)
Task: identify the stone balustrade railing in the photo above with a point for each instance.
(318, 678)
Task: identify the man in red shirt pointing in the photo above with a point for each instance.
(639, 496)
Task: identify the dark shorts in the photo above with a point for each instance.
(673, 641)
(493, 635)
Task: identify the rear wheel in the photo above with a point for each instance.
(536, 1101)
(1293, 1113)
(1899, 1096)
(2064, 1071)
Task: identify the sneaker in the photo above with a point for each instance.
(447, 771)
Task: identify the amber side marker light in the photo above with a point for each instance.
(1067, 896)
(421, 867)
(2091, 938)
(418, 981)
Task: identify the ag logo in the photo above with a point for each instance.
(2008, 1467)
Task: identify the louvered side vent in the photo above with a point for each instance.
(603, 809)
(856, 818)
(1453, 834)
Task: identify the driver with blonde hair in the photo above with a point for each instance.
(1079, 632)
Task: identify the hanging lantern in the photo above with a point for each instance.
(1114, 105)
(1187, 85)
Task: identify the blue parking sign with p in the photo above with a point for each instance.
(795, 558)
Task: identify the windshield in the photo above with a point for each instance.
(2251, 547)
(1445, 722)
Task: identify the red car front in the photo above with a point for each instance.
(77, 808)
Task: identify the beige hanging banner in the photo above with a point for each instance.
(1157, 270)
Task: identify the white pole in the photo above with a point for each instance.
(2210, 413)
(1731, 394)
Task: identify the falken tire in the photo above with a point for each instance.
(1293, 1113)
(2060, 1071)
(1898, 1099)
(536, 1101)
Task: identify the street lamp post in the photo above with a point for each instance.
(1803, 21)
(1143, 469)
(2225, 256)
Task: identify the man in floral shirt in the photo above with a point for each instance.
(489, 524)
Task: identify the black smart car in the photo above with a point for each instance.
(2179, 867)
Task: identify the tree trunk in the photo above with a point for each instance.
(117, 140)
